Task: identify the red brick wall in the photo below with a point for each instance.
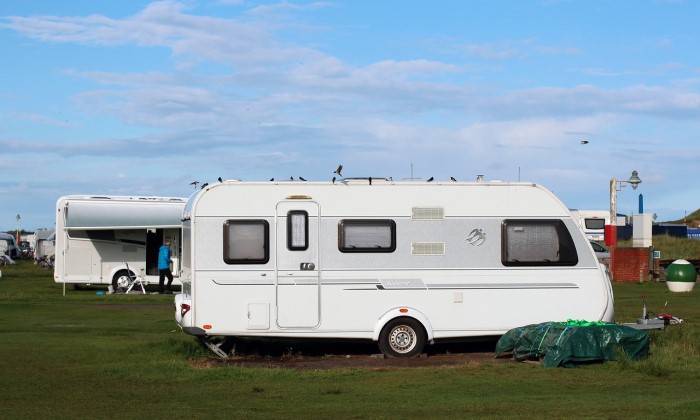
(629, 262)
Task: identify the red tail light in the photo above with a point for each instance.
(184, 308)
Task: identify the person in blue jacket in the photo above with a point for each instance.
(164, 262)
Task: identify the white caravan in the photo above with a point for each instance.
(44, 244)
(401, 263)
(593, 222)
(96, 236)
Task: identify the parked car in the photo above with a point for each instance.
(601, 253)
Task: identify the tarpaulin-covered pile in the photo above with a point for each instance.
(568, 343)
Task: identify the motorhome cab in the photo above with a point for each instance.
(400, 263)
(97, 237)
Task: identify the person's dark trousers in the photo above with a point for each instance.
(161, 280)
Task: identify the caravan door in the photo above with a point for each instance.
(296, 264)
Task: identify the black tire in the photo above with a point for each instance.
(121, 281)
(402, 337)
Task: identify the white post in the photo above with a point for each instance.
(613, 225)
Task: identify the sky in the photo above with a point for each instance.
(140, 98)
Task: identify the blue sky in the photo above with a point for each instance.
(143, 97)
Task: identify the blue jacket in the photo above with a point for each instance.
(164, 260)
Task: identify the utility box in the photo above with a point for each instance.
(641, 230)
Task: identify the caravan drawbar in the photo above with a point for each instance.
(400, 263)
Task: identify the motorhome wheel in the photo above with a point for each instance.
(402, 337)
(121, 281)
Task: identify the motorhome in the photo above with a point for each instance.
(400, 263)
(98, 237)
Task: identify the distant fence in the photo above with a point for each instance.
(677, 231)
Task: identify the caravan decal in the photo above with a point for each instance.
(476, 237)
(505, 286)
(401, 284)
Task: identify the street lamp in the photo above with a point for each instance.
(616, 186)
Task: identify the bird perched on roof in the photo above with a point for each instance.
(337, 171)
(430, 179)
(453, 179)
(220, 180)
(370, 180)
(333, 180)
(204, 185)
(291, 178)
(301, 178)
(194, 183)
(584, 141)
(272, 179)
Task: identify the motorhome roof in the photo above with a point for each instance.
(88, 213)
(121, 198)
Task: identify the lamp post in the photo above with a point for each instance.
(616, 186)
(18, 241)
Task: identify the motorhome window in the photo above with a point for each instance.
(246, 242)
(297, 230)
(537, 243)
(367, 236)
(594, 223)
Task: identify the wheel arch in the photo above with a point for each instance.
(118, 269)
(403, 312)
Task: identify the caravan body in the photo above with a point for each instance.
(96, 237)
(400, 263)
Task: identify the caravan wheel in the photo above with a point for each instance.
(402, 337)
(121, 281)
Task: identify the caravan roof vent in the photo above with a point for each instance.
(428, 213)
(428, 248)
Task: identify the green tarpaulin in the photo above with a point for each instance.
(568, 343)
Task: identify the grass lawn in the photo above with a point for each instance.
(85, 355)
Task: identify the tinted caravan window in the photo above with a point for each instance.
(537, 243)
(366, 236)
(246, 242)
(297, 230)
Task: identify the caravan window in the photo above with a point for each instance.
(594, 223)
(367, 236)
(246, 242)
(537, 243)
(297, 230)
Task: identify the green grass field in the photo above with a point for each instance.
(85, 355)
